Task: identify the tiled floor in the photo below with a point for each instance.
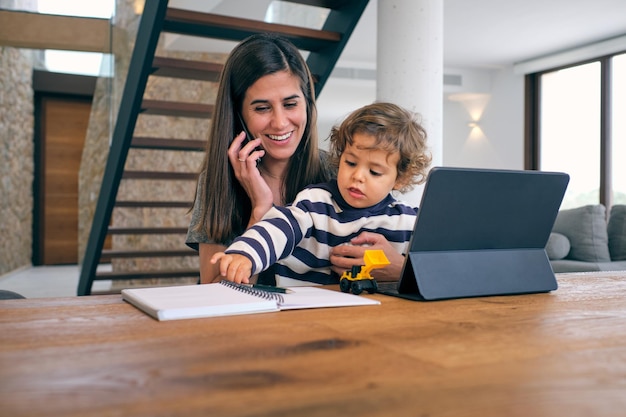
(47, 281)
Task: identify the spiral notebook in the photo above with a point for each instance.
(227, 298)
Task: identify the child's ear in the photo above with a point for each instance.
(401, 182)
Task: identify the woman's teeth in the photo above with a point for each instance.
(281, 137)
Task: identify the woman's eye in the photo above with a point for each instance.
(261, 109)
(291, 104)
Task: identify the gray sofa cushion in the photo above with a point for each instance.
(558, 246)
(617, 233)
(586, 229)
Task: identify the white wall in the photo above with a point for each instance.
(500, 94)
(339, 97)
(498, 141)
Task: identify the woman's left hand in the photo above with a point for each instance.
(344, 257)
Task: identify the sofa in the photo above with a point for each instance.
(584, 240)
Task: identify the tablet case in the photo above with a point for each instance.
(483, 232)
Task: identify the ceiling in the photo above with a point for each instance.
(477, 33)
(495, 33)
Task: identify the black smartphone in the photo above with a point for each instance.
(249, 137)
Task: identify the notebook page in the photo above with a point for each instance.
(195, 301)
(316, 297)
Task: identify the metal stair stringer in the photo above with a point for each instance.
(138, 72)
(324, 47)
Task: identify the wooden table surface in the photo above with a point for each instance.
(557, 354)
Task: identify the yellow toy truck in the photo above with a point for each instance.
(359, 278)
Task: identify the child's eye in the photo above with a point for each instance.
(375, 173)
(350, 163)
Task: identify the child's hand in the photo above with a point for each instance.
(234, 267)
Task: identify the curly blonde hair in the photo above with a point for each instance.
(395, 130)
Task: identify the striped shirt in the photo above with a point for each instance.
(298, 237)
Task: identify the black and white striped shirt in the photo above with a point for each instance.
(298, 237)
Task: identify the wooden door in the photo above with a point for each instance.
(63, 124)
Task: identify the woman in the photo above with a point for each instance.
(267, 90)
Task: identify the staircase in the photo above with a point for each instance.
(324, 48)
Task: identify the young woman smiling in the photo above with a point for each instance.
(263, 144)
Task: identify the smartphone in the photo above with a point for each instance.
(249, 137)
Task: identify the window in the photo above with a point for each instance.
(575, 127)
(618, 128)
(570, 130)
(72, 62)
(100, 8)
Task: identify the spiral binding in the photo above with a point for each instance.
(254, 291)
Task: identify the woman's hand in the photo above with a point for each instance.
(233, 267)
(243, 158)
(345, 257)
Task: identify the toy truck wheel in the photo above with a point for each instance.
(373, 288)
(344, 284)
(357, 288)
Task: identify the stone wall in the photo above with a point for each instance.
(16, 158)
(106, 100)
(95, 153)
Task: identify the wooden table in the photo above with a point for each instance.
(558, 354)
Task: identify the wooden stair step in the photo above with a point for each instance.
(168, 144)
(192, 23)
(148, 253)
(159, 175)
(145, 253)
(186, 69)
(114, 230)
(176, 108)
(154, 204)
(118, 275)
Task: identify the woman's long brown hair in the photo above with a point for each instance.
(225, 206)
